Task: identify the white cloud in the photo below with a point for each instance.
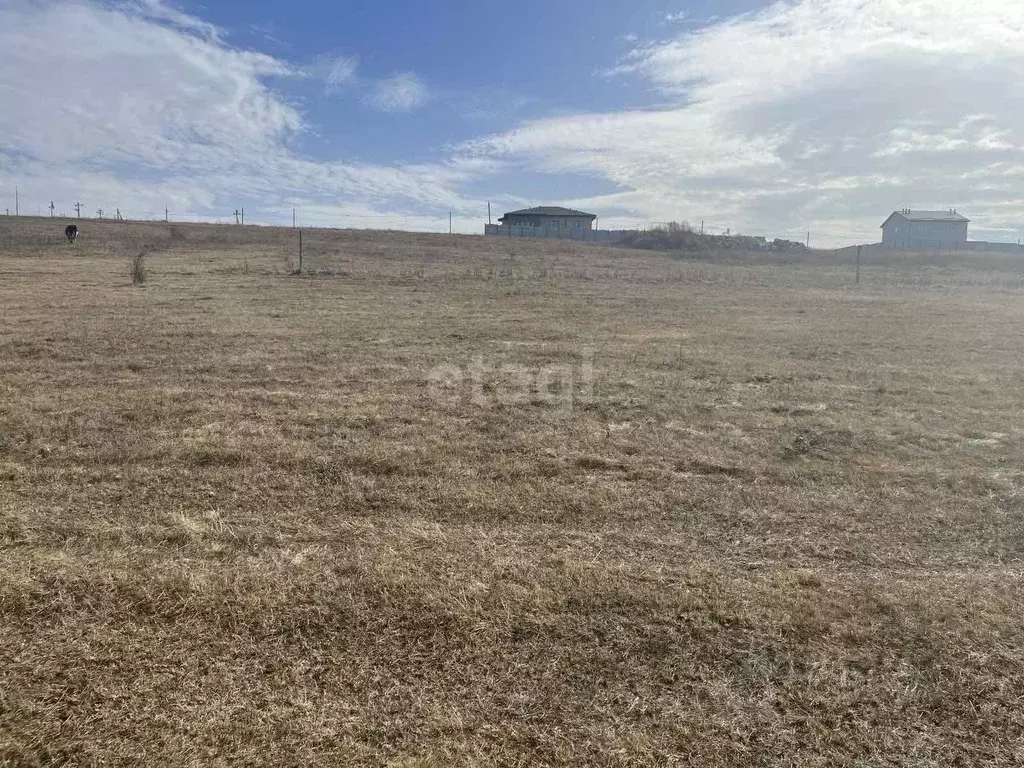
(337, 72)
(126, 89)
(404, 92)
(159, 10)
(814, 114)
(145, 107)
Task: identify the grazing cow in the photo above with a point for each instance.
(71, 233)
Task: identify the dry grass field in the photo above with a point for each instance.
(750, 513)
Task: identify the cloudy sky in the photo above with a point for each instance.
(773, 119)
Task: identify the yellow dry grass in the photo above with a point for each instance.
(238, 526)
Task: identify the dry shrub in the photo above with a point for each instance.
(138, 267)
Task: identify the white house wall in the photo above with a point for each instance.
(924, 235)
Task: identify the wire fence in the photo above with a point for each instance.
(447, 222)
(277, 217)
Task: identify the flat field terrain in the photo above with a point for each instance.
(448, 501)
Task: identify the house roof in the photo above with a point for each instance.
(550, 210)
(927, 216)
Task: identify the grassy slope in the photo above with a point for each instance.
(235, 527)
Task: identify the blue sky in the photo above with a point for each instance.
(482, 65)
(763, 118)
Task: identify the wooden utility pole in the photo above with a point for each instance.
(858, 264)
(78, 209)
(16, 205)
(99, 212)
(236, 216)
(52, 206)
(449, 222)
(243, 215)
(808, 239)
(167, 216)
(488, 213)
(300, 251)
(293, 217)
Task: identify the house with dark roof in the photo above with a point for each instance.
(909, 230)
(550, 221)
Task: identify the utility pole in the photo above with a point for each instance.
(808, 239)
(449, 222)
(236, 216)
(488, 213)
(702, 227)
(858, 264)
(52, 206)
(78, 209)
(119, 214)
(99, 212)
(293, 217)
(16, 208)
(167, 217)
(243, 215)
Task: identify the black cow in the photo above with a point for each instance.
(71, 233)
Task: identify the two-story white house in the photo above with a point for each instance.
(909, 230)
(550, 221)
